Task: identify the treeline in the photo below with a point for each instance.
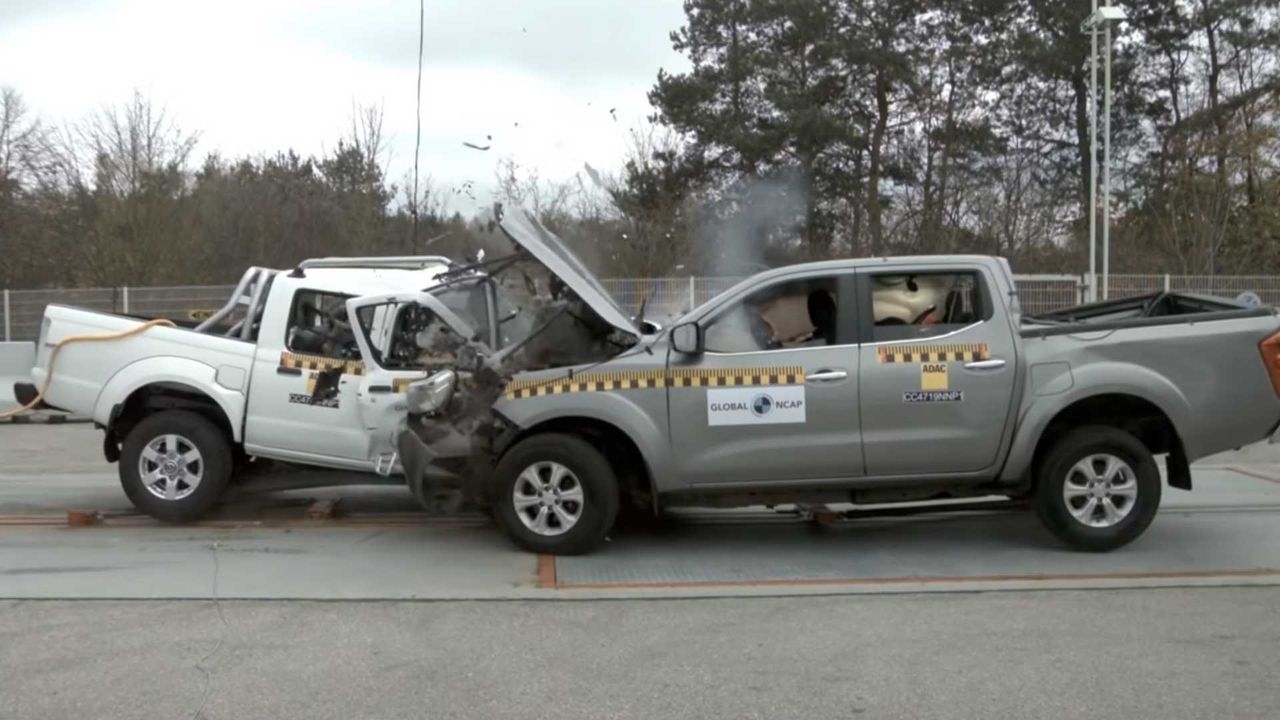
(803, 129)
(963, 125)
(118, 199)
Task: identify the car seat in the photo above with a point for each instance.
(822, 313)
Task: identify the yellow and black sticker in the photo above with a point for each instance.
(732, 377)
(933, 376)
(967, 352)
(401, 384)
(646, 379)
(303, 361)
(327, 400)
(398, 385)
(320, 363)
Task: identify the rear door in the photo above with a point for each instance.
(774, 398)
(937, 370)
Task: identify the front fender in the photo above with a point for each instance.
(1104, 378)
(631, 412)
(179, 371)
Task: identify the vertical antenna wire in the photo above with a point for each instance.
(417, 142)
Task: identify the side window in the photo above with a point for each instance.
(910, 306)
(407, 337)
(318, 325)
(375, 323)
(796, 313)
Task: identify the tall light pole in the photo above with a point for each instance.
(1100, 18)
(1093, 153)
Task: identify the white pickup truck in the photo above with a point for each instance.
(181, 406)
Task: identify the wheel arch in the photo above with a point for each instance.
(630, 465)
(1137, 415)
(156, 397)
(167, 382)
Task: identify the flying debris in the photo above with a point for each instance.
(466, 188)
(614, 112)
(474, 146)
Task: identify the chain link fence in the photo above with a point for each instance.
(1266, 287)
(663, 298)
(23, 309)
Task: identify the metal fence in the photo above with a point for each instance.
(1266, 287)
(666, 297)
(23, 309)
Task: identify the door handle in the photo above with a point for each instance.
(992, 364)
(825, 375)
(288, 371)
(379, 388)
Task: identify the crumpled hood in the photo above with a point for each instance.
(524, 230)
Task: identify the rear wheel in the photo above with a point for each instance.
(1098, 488)
(554, 494)
(174, 465)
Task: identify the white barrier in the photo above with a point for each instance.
(16, 361)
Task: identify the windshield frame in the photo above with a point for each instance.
(490, 300)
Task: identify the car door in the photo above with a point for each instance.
(389, 330)
(937, 370)
(302, 399)
(748, 411)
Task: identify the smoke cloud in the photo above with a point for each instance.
(755, 216)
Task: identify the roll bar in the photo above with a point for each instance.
(400, 262)
(249, 293)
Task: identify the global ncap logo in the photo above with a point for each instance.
(761, 405)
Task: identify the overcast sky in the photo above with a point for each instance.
(264, 75)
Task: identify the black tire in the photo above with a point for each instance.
(1053, 508)
(215, 465)
(591, 471)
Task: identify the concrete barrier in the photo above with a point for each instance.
(16, 360)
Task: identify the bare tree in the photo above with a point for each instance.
(366, 134)
(548, 200)
(128, 142)
(24, 144)
(137, 160)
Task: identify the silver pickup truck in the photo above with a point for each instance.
(870, 381)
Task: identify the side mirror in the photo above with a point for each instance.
(425, 397)
(687, 338)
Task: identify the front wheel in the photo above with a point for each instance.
(1098, 488)
(554, 494)
(174, 465)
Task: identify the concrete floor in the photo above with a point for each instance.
(390, 614)
(1227, 531)
(1123, 654)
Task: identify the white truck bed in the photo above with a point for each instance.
(84, 374)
